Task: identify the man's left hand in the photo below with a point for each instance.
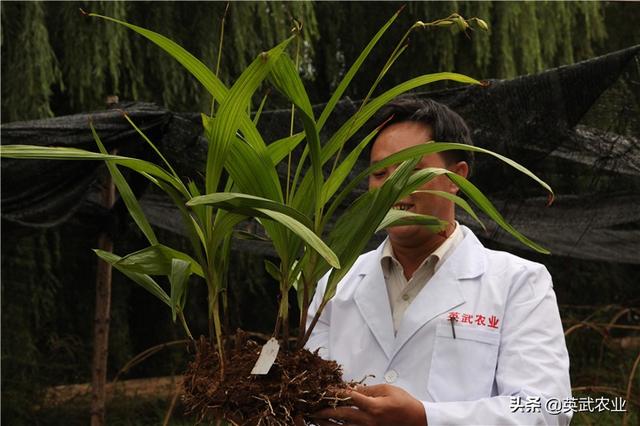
(376, 405)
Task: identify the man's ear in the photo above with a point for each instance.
(460, 168)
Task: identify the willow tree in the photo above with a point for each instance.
(55, 61)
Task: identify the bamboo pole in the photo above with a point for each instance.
(102, 316)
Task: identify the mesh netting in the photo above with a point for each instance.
(575, 126)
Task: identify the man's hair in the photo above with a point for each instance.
(446, 125)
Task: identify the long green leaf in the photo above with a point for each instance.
(199, 70)
(353, 124)
(418, 151)
(143, 280)
(461, 202)
(342, 171)
(156, 260)
(285, 77)
(152, 145)
(356, 226)
(279, 149)
(202, 73)
(126, 193)
(228, 118)
(178, 277)
(256, 116)
(337, 95)
(305, 233)
(249, 171)
(63, 153)
(246, 204)
(400, 217)
(480, 200)
(420, 177)
(434, 147)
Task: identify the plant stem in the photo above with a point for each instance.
(285, 315)
(276, 329)
(316, 317)
(304, 308)
(218, 331)
(305, 297)
(185, 326)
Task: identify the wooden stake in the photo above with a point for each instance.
(102, 317)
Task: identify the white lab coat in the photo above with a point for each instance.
(468, 380)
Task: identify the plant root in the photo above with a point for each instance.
(299, 384)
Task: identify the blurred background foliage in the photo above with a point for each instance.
(56, 61)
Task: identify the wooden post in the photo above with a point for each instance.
(102, 317)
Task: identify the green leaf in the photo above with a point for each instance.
(433, 147)
(305, 233)
(203, 74)
(420, 177)
(480, 200)
(151, 144)
(418, 151)
(143, 280)
(337, 95)
(126, 193)
(279, 149)
(353, 124)
(156, 260)
(199, 70)
(285, 77)
(252, 174)
(355, 227)
(256, 117)
(247, 204)
(145, 168)
(227, 121)
(342, 171)
(178, 277)
(458, 200)
(245, 235)
(400, 217)
(273, 270)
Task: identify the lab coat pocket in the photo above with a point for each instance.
(462, 369)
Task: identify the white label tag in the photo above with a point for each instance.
(267, 357)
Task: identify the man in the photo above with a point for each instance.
(441, 329)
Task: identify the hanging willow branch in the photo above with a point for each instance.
(56, 61)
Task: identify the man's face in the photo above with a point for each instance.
(395, 138)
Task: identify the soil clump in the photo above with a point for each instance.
(299, 384)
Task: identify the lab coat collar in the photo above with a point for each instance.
(443, 292)
(372, 300)
(440, 295)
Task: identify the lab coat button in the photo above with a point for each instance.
(405, 297)
(390, 376)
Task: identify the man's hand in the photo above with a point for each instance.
(378, 405)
